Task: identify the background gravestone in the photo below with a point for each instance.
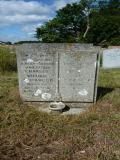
(65, 70)
(111, 58)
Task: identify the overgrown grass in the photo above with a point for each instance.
(109, 78)
(27, 134)
(7, 59)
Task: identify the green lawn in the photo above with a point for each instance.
(27, 134)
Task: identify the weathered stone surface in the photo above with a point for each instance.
(48, 70)
(111, 58)
(37, 72)
(77, 75)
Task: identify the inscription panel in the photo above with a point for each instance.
(37, 72)
(77, 75)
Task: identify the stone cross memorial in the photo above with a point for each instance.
(58, 72)
(111, 58)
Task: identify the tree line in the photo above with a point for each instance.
(89, 21)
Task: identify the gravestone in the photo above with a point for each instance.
(37, 72)
(58, 72)
(111, 58)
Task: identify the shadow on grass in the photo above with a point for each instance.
(102, 91)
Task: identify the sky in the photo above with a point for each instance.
(20, 18)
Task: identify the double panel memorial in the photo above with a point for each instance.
(50, 72)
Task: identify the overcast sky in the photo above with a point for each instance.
(19, 18)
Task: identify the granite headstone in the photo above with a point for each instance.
(111, 58)
(48, 71)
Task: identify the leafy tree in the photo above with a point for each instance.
(105, 24)
(70, 23)
(87, 7)
(65, 27)
(83, 22)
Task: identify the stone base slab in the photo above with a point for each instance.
(71, 108)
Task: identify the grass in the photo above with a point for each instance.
(7, 59)
(27, 134)
(110, 78)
